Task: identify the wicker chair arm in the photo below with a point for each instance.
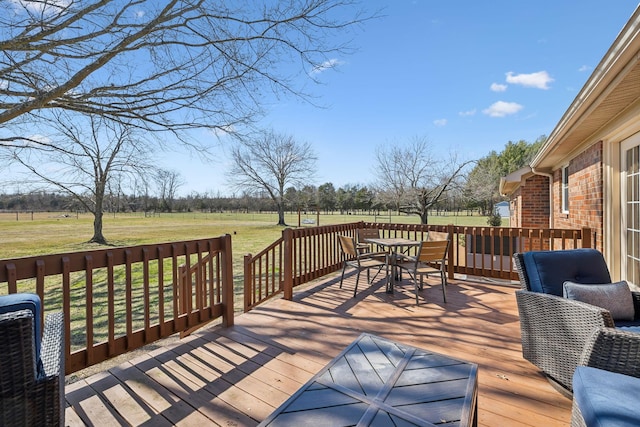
(614, 350)
(518, 262)
(555, 330)
(52, 351)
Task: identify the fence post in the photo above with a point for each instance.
(586, 237)
(450, 261)
(227, 282)
(287, 238)
(248, 280)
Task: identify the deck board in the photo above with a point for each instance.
(237, 376)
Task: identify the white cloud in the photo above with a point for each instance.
(584, 68)
(4, 84)
(326, 65)
(497, 87)
(440, 122)
(539, 80)
(502, 109)
(467, 113)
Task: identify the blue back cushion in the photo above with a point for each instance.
(14, 302)
(548, 270)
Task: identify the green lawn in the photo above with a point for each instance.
(45, 233)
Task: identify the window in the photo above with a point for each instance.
(565, 189)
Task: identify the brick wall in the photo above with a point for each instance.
(534, 209)
(585, 193)
(530, 203)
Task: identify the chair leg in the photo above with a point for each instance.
(443, 276)
(375, 275)
(355, 290)
(415, 283)
(344, 266)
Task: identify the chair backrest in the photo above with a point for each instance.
(18, 363)
(367, 233)
(546, 271)
(433, 250)
(348, 245)
(25, 301)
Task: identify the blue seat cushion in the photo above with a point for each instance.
(633, 326)
(26, 301)
(548, 270)
(606, 398)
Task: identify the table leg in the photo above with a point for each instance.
(391, 275)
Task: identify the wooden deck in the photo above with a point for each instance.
(237, 376)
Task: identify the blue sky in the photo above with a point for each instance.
(467, 75)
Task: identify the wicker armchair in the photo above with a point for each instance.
(554, 329)
(612, 350)
(31, 370)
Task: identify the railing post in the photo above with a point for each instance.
(450, 261)
(287, 237)
(586, 237)
(248, 280)
(227, 282)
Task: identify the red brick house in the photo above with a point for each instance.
(588, 172)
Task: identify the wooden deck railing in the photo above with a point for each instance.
(116, 300)
(119, 299)
(302, 255)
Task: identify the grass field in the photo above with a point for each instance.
(27, 234)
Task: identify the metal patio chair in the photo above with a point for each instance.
(431, 258)
(360, 261)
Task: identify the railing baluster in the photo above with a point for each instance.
(12, 281)
(160, 264)
(129, 297)
(89, 308)
(111, 328)
(145, 290)
(66, 309)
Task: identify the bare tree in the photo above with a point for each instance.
(413, 179)
(272, 162)
(163, 64)
(168, 182)
(81, 156)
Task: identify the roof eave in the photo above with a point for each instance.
(622, 53)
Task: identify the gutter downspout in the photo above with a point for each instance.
(550, 176)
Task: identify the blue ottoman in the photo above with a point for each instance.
(605, 398)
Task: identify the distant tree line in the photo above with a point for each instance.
(478, 191)
(324, 198)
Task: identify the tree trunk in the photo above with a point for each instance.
(281, 215)
(97, 219)
(424, 217)
(97, 228)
